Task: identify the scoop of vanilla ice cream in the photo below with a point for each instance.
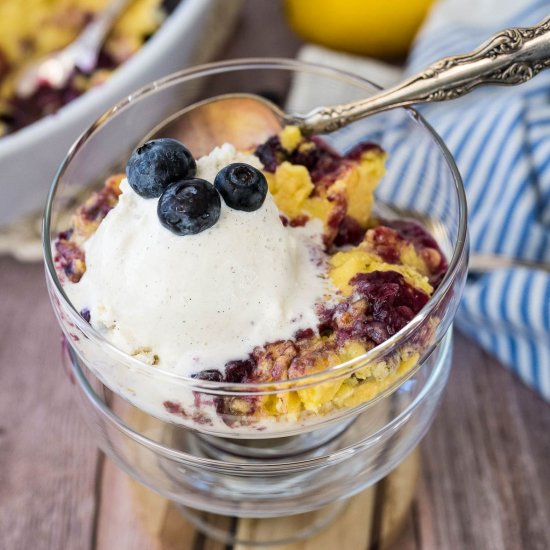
(197, 301)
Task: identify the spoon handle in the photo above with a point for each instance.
(85, 48)
(486, 263)
(511, 56)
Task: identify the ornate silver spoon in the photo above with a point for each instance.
(511, 56)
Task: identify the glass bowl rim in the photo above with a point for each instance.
(208, 69)
(330, 458)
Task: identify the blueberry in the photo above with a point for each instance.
(242, 186)
(189, 207)
(156, 164)
(238, 371)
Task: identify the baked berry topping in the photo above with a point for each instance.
(235, 372)
(158, 163)
(386, 242)
(189, 207)
(299, 221)
(238, 371)
(270, 153)
(242, 186)
(85, 314)
(391, 300)
(382, 304)
(321, 160)
(70, 258)
(304, 333)
(172, 407)
(350, 232)
(425, 244)
(210, 375)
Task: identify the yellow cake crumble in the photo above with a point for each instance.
(381, 272)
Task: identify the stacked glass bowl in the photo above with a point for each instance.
(281, 465)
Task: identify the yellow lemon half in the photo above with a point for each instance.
(375, 28)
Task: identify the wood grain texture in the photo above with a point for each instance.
(486, 461)
(47, 459)
(135, 517)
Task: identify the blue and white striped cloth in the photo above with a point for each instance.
(500, 139)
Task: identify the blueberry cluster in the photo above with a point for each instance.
(165, 169)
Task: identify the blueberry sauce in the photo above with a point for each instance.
(350, 232)
(321, 161)
(46, 100)
(239, 371)
(69, 257)
(383, 304)
(425, 244)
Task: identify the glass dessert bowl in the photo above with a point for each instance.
(208, 438)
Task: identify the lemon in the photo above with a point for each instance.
(375, 28)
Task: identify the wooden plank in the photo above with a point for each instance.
(399, 489)
(407, 539)
(135, 517)
(47, 458)
(351, 529)
(484, 481)
(119, 523)
(373, 519)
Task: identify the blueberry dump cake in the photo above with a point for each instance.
(251, 266)
(31, 29)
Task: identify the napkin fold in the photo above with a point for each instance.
(500, 139)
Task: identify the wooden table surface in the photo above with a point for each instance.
(485, 482)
